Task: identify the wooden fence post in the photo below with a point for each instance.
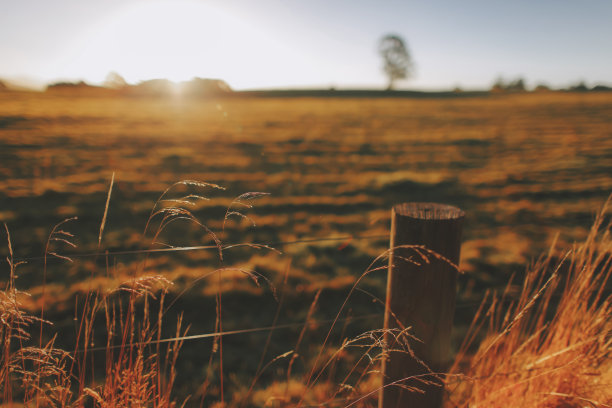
(420, 295)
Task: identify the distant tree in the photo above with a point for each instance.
(157, 87)
(602, 88)
(80, 84)
(500, 85)
(205, 86)
(542, 88)
(396, 58)
(114, 81)
(579, 87)
(518, 85)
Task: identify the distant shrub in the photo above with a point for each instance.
(115, 81)
(80, 84)
(204, 86)
(542, 88)
(579, 87)
(196, 87)
(500, 85)
(155, 87)
(602, 88)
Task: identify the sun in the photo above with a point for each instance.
(177, 40)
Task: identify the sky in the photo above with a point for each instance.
(307, 43)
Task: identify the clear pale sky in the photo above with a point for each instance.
(307, 43)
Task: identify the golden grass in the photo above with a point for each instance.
(551, 347)
(139, 372)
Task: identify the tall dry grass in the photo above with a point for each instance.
(139, 363)
(139, 372)
(548, 346)
(551, 346)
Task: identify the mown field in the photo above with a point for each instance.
(525, 168)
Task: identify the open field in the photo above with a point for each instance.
(524, 168)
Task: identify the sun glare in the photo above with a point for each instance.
(178, 40)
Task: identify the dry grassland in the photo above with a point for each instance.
(524, 167)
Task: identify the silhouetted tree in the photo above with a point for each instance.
(396, 58)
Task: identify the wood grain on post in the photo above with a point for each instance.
(420, 295)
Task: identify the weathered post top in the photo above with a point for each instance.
(428, 211)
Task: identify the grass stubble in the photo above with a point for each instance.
(547, 345)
